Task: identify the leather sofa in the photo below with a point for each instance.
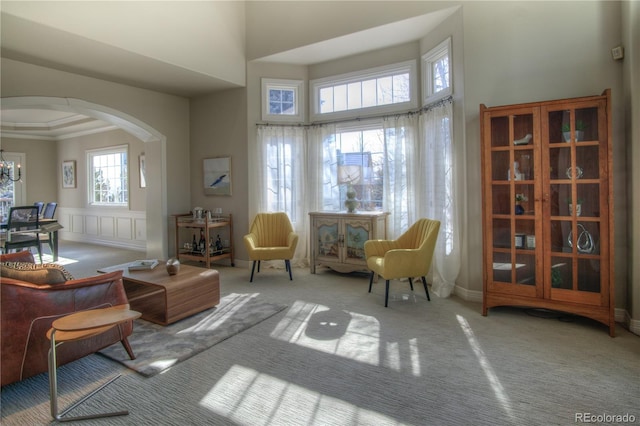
(28, 309)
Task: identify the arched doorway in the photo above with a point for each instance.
(155, 152)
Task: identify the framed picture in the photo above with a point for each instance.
(69, 174)
(143, 170)
(217, 176)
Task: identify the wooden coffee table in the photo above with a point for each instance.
(164, 298)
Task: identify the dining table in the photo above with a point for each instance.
(50, 227)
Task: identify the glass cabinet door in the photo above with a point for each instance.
(574, 169)
(513, 159)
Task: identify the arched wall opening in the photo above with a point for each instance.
(155, 152)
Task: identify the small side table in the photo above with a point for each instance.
(78, 326)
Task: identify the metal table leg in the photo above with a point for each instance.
(53, 391)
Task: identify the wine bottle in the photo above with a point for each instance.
(202, 245)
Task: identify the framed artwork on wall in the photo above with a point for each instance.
(142, 165)
(217, 176)
(69, 174)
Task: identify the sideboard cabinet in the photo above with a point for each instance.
(337, 239)
(547, 204)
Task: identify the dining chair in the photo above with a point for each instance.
(22, 229)
(40, 205)
(49, 210)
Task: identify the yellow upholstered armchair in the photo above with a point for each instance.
(271, 237)
(407, 257)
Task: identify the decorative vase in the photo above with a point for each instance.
(519, 209)
(351, 203)
(578, 209)
(173, 266)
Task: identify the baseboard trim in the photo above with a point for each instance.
(125, 244)
(468, 295)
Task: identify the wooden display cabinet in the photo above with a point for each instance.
(542, 249)
(210, 228)
(337, 239)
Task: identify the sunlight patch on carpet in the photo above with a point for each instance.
(47, 258)
(347, 334)
(243, 391)
(498, 390)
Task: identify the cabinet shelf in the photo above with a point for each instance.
(555, 254)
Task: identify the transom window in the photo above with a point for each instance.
(108, 176)
(436, 72)
(375, 91)
(283, 100)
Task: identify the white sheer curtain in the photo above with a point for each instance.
(322, 186)
(400, 172)
(437, 195)
(278, 171)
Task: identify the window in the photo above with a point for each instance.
(108, 176)
(375, 91)
(283, 100)
(12, 193)
(436, 72)
(355, 158)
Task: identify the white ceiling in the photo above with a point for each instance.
(76, 53)
(48, 124)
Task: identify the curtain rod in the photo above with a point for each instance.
(436, 104)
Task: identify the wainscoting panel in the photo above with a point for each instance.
(140, 226)
(124, 228)
(90, 225)
(78, 224)
(108, 227)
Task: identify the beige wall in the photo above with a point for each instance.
(631, 75)
(219, 129)
(41, 167)
(167, 115)
(75, 149)
(518, 52)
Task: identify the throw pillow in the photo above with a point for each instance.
(47, 273)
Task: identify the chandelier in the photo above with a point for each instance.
(5, 170)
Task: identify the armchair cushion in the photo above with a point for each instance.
(271, 237)
(47, 273)
(408, 256)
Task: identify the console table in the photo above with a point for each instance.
(337, 239)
